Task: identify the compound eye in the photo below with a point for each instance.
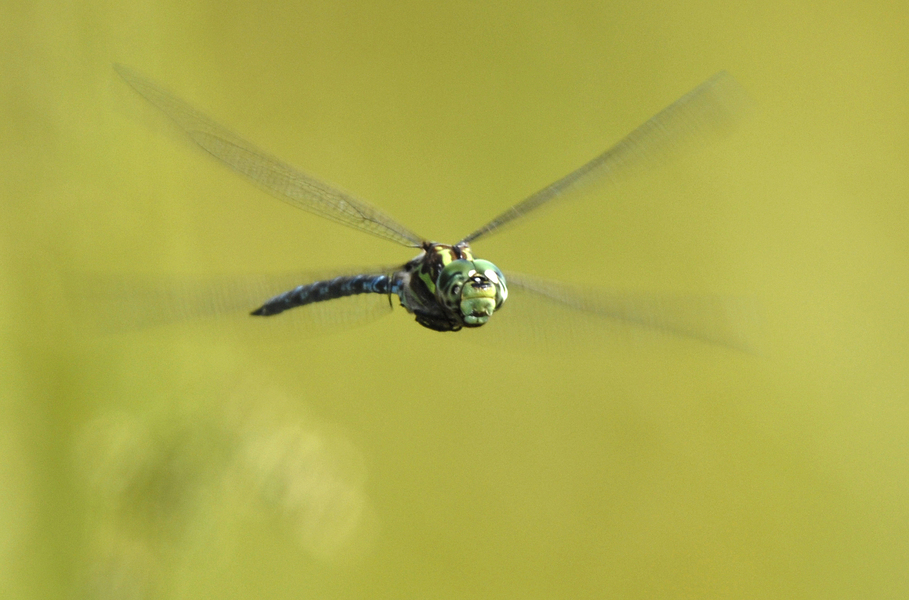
(451, 281)
(493, 274)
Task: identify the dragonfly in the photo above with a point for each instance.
(445, 286)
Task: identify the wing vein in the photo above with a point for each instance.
(267, 172)
(710, 107)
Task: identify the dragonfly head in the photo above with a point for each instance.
(471, 290)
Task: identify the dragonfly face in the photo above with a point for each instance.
(472, 290)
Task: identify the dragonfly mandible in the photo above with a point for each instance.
(445, 286)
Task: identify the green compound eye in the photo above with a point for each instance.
(493, 273)
(471, 290)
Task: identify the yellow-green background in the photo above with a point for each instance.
(387, 461)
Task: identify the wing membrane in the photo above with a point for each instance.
(269, 173)
(559, 312)
(711, 106)
(106, 303)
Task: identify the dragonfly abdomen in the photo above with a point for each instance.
(320, 291)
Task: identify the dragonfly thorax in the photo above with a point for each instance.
(449, 289)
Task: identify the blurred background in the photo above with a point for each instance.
(225, 460)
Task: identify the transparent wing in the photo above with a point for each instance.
(274, 176)
(710, 107)
(108, 303)
(552, 315)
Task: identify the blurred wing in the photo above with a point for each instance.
(274, 176)
(554, 314)
(710, 107)
(111, 303)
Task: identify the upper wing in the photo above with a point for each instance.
(278, 178)
(708, 107)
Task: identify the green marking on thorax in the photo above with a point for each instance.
(445, 255)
